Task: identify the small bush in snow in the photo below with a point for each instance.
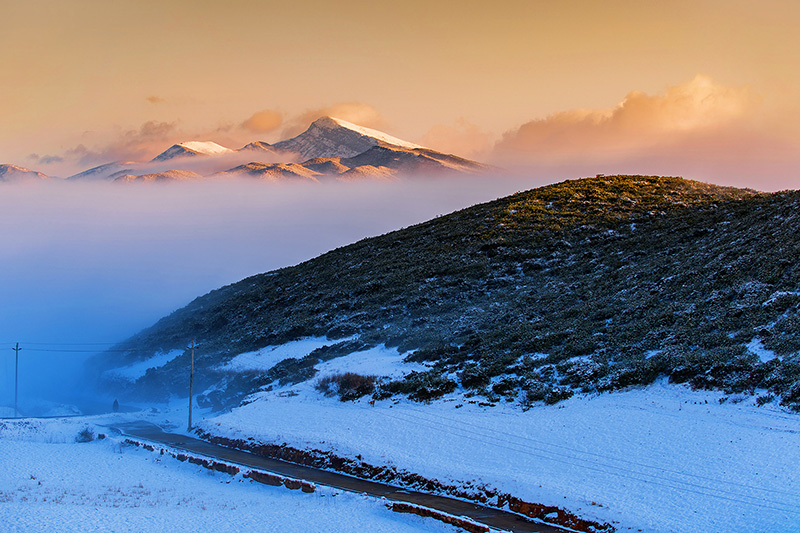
(85, 435)
(557, 394)
(420, 386)
(765, 399)
(348, 386)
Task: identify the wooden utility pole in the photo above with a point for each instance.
(191, 385)
(16, 378)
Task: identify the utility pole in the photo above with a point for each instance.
(191, 385)
(16, 378)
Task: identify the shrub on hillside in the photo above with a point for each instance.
(420, 386)
(536, 391)
(792, 398)
(558, 394)
(292, 370)
(348, 386)
(85, 435)
(641, 372)
(474, 376)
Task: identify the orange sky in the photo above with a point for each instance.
(671, 86)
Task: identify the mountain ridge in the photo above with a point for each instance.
(161, 177)
(329, 148)
(16, 174)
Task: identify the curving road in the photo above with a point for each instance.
(495, 518)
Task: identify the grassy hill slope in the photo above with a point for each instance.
(586, 285)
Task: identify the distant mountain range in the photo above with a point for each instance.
(15, 174)
(330, 148)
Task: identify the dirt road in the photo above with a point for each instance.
(495, 518)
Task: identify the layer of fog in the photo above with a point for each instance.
(85, 265)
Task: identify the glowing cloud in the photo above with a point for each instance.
(639, 122)
(461, 138)
(355, 112)
(151, 138)
(263, 121)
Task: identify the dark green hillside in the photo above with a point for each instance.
(586, 285)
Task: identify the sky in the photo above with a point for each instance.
(707, 89)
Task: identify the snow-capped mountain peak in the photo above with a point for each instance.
(107, 171)
(333, 123)
(192, 148)
(205, 147)
(333, 137)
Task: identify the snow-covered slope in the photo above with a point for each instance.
(109, 171)
(337, 123)
(191, 149)
(333, 137)
(258, 146)
(368, 172)
(271, 172)
(169, 175)
(15, 174)
(326, 165)
(659, 459)
(414, 162)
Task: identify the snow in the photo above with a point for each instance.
(368, 132)
(106, 171)
(206, 147)
(756, 347)
(536, 356)
(663, 458)
(378, 361)
(50, 482)
(774, 297)
(266, 358)
(139, 369)
(329, 137)
(660, 459)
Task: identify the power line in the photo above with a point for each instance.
(79, 347)
(70, 343)
(59, 350)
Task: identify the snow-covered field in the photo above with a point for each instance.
(49, 482)
(663, 458)
(659, 459)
